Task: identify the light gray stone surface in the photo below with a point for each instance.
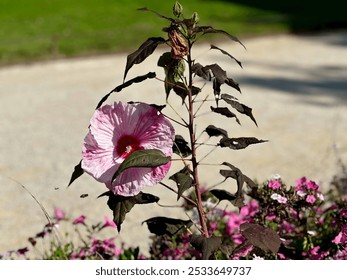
(296, 85)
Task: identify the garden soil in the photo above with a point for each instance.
(296, 85)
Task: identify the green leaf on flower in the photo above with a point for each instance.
(144, 51)
(164, 225)
(181, 147)
(213, 47)
(78, 172)
(224, 111)
(174, 71)
(183, 180)
(207, 245)
(121, 205)
(213, 131)
(262, 237)
(243, 109)
(142, 159)
(239, 143)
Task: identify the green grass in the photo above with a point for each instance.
(45, 29)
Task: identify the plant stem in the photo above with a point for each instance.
(202, 216)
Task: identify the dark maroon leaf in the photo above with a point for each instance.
(78, 171)
(181, 147)
(218, 72)
(158, 107)
(182, 92)
(138, 79)
(243, 109)
(262, 237)
(210, 29)
(230, 82)
(156, 13)
(183, 180)
(207, 245)
(223, 195)
(145, 50)
(234, 173)
(212, 131)
(121, 205)
(225, 112)
(239, 143)
(164, 225)
(201, 71)
(213, 47)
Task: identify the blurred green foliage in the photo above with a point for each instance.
(45, 29)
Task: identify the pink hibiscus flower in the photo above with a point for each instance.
(115, 132)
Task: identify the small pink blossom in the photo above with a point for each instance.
(301, 193)
(115, 132)
(341, 238)
(274, 184)
(59, 214)
(281, 199)
(109, 223)
(311, 185)
(79, 220)
(320, 196)
(250, 209)
(311, 199)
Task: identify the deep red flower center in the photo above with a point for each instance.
(126, 145)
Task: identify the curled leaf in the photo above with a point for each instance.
(241, 108)
(183, 180)
(223, 195)
(78, 171)
(138, 79)
(262, 237)
(224, 111)
(181, 147)
(212, 131)
(144, 51)
(121, 205)
(164, 225)
(209, 29)
(213, 47)
(239, 143)
(207, 245)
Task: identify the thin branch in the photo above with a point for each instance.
(205, 156)
(183, 196)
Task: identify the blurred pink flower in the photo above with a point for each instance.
(274, 184)
(281, 199)
(59, 214)
(311, 199)
(311, 185)
(341, 238)
(108, 223)
(79, 220)
(115, 132)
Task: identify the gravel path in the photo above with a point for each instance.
(296, 85)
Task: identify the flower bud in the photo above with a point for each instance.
(177, 9)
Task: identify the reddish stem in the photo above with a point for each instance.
(201, 212)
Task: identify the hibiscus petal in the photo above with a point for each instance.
(112, 127)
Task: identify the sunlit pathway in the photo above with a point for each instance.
(297, 87)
